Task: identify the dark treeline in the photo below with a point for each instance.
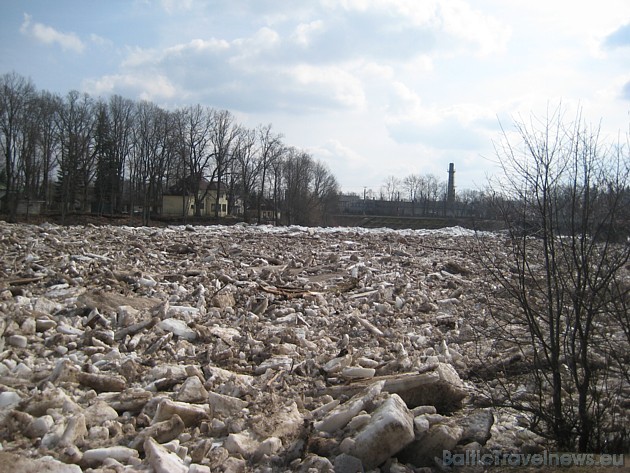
(75, 153)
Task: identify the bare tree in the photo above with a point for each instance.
(428, 193)
(324, 194)
(564, 199)
(121, 115)
(276, 168)
(223, 136)
(48, 106)
(16, 100)
(410, 185)
(195, 135)
(151, 156)
(310, 190)
(246, 166)
(391, 188)
(29, 165)
(271, 149)
(296, 176)
(75, 126)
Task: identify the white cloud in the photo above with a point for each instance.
(375, 70)
(334, 150)
(251, 49)
(333, 81)
(145, 87)
(247, 73)
(456, 126)
(304, 32)
(49, 35)
(198, 46)
(322, 57)
(187, 52)
(100, 41)
(172, 6)
(413, 83)
(419, 83)
(139, 57)
(461, 21)
(403, 100)
(447, 26)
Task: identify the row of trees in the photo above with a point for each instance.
(414, 188)
(80, 153)
(422, 195)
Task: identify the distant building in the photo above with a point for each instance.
(268, 212)
(351, 204)
(180, 199)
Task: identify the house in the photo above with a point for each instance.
(180, 200)
(268, 212)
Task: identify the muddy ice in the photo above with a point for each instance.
(244, 348)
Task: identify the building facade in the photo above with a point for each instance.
(187, 200)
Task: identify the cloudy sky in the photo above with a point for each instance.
(374, 88)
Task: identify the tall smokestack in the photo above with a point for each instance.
(450, 196)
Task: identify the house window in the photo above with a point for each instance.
(223, 208)
(213, 207)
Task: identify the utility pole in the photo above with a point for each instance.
(364, 198)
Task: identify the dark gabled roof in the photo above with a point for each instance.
(267, 204)
(186, 186)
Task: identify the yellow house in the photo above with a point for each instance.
(179, 200)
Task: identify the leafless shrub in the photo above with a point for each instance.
(564, 199)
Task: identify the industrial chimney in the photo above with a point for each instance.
(450, 196)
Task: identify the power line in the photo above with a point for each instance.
(360, 187)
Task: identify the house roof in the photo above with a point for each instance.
(267, 204)
(186, 186)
